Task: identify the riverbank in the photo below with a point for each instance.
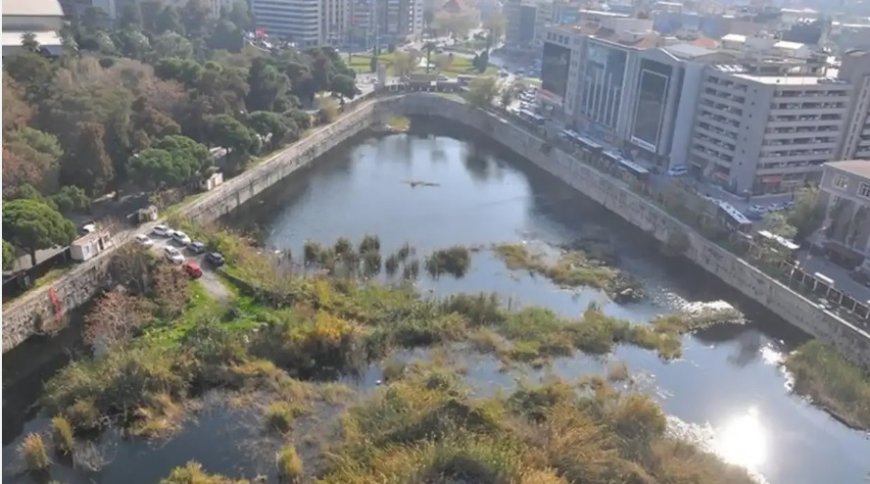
(832, 382)
(290, 328)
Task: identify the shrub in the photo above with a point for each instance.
(391, 265)
(370, 243)
(393, 369)
(289, 464)
(342, 246)
(192, 473)
(32, 451)
(411, 270)
(311, 253)
(453, 261)
(62, 434)
(280, 416)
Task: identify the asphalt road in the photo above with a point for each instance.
(209, 280)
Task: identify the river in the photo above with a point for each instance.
(728, 389)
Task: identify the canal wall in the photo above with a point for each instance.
(43, 310)
(39, 312)
(620, 199)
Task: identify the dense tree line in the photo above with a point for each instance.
(140, 100)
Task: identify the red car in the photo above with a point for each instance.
(193, 270)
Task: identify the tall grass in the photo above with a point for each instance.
(62, 435)
(192, 473)
(832, 381)
(33, 453)
(454, 261)
(289, 464)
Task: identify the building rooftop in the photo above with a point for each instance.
(855, 167)
(688, 51)
(790, 80)
(32, 8)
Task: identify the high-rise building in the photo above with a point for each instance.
(335, 21)
(42, 18)
(300, 21)
(525, 24)
(855, 141)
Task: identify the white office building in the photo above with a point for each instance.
(300, 21)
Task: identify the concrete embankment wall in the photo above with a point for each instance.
(43, 310)
(35, 312)
(621, 200)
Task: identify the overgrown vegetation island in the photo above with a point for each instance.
(289, 326)
(143, 106)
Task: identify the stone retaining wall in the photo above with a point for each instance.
(35, 313)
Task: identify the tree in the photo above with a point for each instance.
(168, 20)
(240, 17)
(481, 61)
(301, 118)
(429, 46)
(70, 199)
(808, 212)
(481, 91)
(132, 43)
(31, 71)
(172, 161)
(327, 110)
(33, 225)
(30, 156)
(88, 165)
(266, 83)
(344, 85)
(226, 36)
(147, 124)
(171, 44)
(280, 127)
(404, 63)
(114, 320)
(131, 15)
(223, 88)
(171, 289)
(776, 223)
(227, 132)
(8, 255)
(132, 266)
(17, 113)
(186, 71)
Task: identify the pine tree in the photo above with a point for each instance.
(89, 166)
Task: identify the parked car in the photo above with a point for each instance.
(192, 269)
(173, 255)
(678, 170)
(180, 237)
(215, 259)
(196, 247)
(144, 240)
(88, 228)
(162, 230)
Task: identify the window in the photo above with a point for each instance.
(841, 182)
(864, 190)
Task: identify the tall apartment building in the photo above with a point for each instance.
(526, 21)
(855, 69)
(761, 133)
(387, 21)
(300, 21)
(335, 21)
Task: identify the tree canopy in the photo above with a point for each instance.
(481, 91)
(171, 161)
(34, 225)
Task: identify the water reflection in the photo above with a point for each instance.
(743, 440)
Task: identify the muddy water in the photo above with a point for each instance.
(727, 390)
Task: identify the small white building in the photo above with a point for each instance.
(212, 181)
(88, 246)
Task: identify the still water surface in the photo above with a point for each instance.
(727, 391)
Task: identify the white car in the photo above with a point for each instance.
(180, 237)
(162, 230)
(173, 255)
(678, 170)
(144, 240)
